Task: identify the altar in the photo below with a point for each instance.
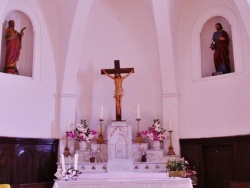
(125, 180)
(119, 154)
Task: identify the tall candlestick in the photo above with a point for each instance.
(170, 148)
(63, 162)
(101, 112)
(100, 139)
(139, 138)
(170, 123)
(138, 111)
(75, 161)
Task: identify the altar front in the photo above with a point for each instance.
(125, 180)
(118, 164)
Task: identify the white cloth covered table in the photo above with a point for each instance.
(125, 180)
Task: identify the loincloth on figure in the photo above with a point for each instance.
(118, 92)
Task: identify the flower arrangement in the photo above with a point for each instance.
(177, 164)
(155, 132)
(69, 174)
(81, 132)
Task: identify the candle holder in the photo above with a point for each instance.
(170, 148)
(139, 138)
(100, 139)
(66, 152)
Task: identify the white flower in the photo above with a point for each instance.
(84, 130)
(80, 127)
(91, 136)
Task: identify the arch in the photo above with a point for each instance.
(73, 56)
(228, 14)
(23, 8)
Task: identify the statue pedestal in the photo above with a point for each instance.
(119, 147)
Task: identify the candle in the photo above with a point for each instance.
(63, 162)
(101, 112)
(170, 123)
(75, 161)
(138, 111)
(68, 125)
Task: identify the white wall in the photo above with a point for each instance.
(28, 103)
(123, 31)
(216, 106)
(89, 36)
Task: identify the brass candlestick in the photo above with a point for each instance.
(170, 148)
(100, 139)
(66, 152)
(139, 138)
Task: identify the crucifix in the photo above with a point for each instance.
(118, 93)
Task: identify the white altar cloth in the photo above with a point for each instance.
(125, 180)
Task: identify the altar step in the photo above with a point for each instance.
(145, 167)
(123, 176)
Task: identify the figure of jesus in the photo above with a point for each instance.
(118, 93)
(14, 44)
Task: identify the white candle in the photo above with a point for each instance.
(63, 162)
(68, 125)
(138, 111)
(101, 112)
(170, 123)
(75, 161)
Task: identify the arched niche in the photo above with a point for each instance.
(207, 62)
(25, 62)
(28, 16)
(212, 14)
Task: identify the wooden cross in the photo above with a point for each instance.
(118, 70)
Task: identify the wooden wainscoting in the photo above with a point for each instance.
(219, 160)
(34, 185)
(27, 160)
(235, 184)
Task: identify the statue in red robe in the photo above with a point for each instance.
(14, 44)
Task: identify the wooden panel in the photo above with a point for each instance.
(27, 160)
(218, 160)
(243, 161)
(218, 166)
(239, 185)
(34, 185)
(192, 153)
(6, 165)
(24, 160)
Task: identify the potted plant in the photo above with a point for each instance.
(177, 167)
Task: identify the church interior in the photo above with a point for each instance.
(117, 69)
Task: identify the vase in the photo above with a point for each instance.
(144, 158)
(156, 144)
(83, 145)
(92, 159)
(181, 173)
